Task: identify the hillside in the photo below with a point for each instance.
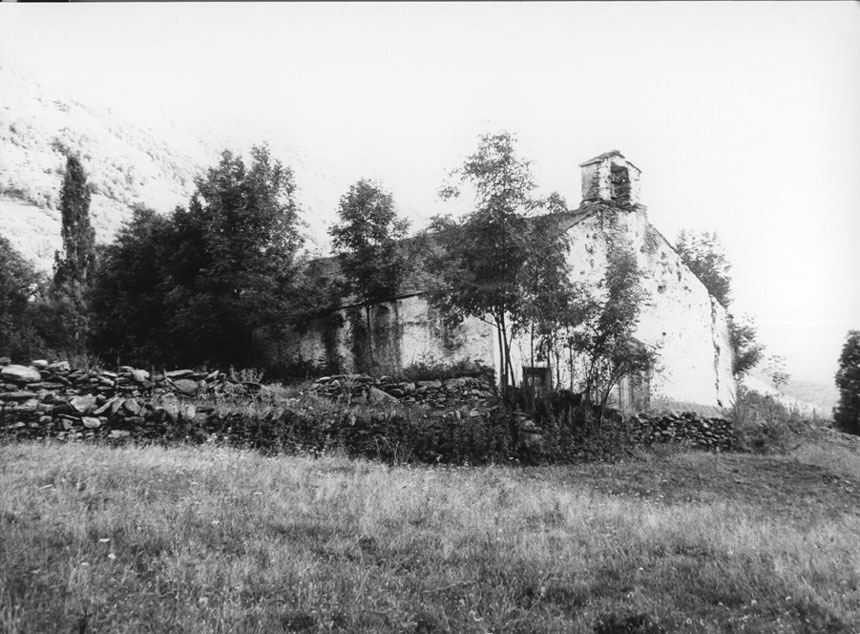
(127, 162)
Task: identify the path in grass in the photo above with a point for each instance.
(94, 539)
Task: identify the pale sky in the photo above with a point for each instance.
(744, 117)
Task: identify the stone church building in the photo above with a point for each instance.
(680, 321)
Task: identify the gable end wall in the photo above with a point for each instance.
(681, 320)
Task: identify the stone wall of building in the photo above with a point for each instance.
(404, 334)
(685, 326)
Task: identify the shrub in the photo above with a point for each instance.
(763, 424)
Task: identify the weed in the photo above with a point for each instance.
(763, 424)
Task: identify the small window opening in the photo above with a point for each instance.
(536, 378)
(619, 180)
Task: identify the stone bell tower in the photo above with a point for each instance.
(612, 178)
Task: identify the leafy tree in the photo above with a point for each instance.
(611, 317)
(704, 255)
(194, 287)
(480, 261)
(129, 303)
(231, 259)
(365, 240)
(73, 265)
(846, 415)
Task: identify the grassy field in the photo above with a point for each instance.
(207, 539)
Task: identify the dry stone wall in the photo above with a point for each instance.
(362, 388)
(711, 433)
(56, 400)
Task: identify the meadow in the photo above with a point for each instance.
(210, 539)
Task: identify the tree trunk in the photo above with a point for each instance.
(369, 338)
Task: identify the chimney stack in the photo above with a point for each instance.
(612, 178)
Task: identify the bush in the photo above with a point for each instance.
(763, 424)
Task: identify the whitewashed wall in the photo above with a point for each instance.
(687, 327)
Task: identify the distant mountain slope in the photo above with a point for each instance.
(126, 163)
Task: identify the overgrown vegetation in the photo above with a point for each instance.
(704, 255)
(763, 424)
(207, 539)
(607, 338)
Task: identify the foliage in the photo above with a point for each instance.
(846, 415)
(129, 303)
(763, 424)
(22, 288)
(611, 318)
(552, 305)
(489, 265)
(74, 265)
(211, 274)
(746, 350)
(232, 258)
(704, 255)
(366, 241)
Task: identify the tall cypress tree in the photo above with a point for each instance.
(73, 265)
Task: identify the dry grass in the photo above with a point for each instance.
(207, 539)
